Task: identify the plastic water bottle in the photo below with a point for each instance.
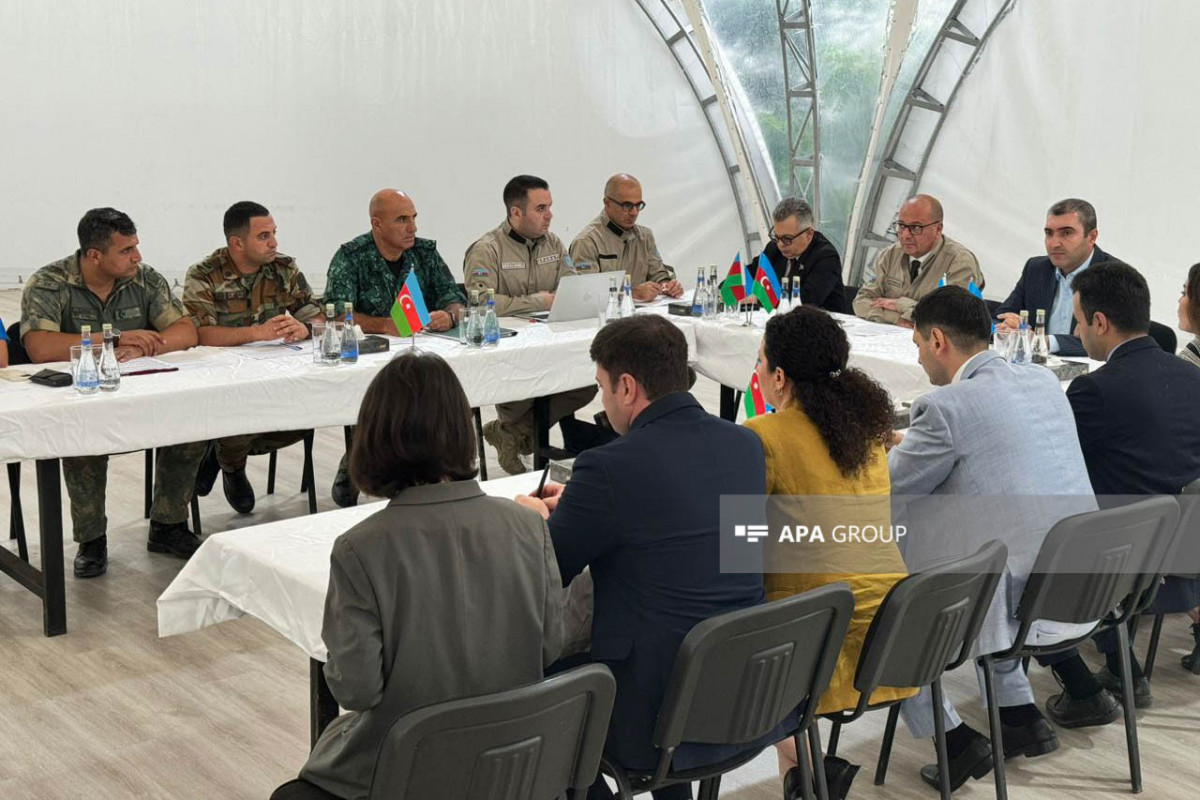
(87, 376)
(613, 310)
(627, 298)
(797, 301)
(700, 295)
(331, 346)
(110, 368)
(491, 325)
(475, 323)
(349, 339)
(1024, 342)
(714, 294)
(1040, 351)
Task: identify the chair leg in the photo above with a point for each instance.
(196, 516)
(939, 740)
(271, 460)
(624, 790)
(835, 737)
(309, 482)
(885, 747)
(818, 760)
(1152, 649)
(149, 481)
(806, 773)
(993, 707)
(709, 788)
(1131, 740)
(479, 438)
(16, 518)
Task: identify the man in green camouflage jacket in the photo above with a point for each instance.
(368, 272)
(106, 281)
(246, 292)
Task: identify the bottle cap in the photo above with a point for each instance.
(85, 329)
(349, 308)
(329, 309)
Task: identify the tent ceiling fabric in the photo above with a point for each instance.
(172, 110)
(1078, 98)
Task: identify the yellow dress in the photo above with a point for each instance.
(799, 466)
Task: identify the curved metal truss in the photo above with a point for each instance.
(953, 54)
(672, 24)
(800, 83)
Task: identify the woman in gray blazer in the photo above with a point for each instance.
(445, 593)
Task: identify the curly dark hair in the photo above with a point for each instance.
(852, 412)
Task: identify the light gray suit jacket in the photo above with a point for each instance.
(446, 593)
(999, 451)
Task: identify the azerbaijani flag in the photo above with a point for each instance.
(753, 400)
(973, 289)
(766, 285)
(733, 288)
(409, 311)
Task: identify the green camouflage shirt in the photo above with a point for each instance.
(215, 293)
(57, 299)
(359, 274)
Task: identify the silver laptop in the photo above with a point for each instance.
(579, 297)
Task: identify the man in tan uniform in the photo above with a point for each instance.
(522, 262)
(916, 265)
(614, 241)
(246, 292)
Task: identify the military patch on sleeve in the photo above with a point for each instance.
(568, 263)
(479, 272)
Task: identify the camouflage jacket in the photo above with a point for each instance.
(359, 275)
(215, 293)
(57, 299)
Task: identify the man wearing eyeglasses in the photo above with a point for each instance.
(918, 263)
(614, 241)
(799, 252)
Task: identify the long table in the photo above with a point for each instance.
(279, 573)
(220, 392)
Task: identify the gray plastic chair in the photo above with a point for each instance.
(1102, 565)
(1187, 554)
(737, 677)
(924, 627)
(533, 743)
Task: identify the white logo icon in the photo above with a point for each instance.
(751, 533)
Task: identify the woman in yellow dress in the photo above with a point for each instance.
(826, 467)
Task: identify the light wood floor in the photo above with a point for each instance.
(112, 711)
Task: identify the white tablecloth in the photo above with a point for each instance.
(727, 351)
(277, 572)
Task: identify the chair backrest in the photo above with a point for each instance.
(1089, 563)
(533, 742)
(1185, 560)
(929, 621)
(16, 350)
(739, 675)
(1164, 336)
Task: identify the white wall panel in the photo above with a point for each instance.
(173, 109)
(1079, 98)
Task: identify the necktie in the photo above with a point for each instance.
(914, 266)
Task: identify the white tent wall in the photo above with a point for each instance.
(1079, 98)
(173, 109)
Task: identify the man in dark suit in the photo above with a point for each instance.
(643, 513)
(799, 251)
(1136, 422)
(1046, 280)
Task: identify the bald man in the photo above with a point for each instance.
(614, 241)
(918, 263)
(369, 270)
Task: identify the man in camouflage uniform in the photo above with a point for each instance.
(369, 270)
(105, 281)
(614, 241)
(522, 262)
(246, 292)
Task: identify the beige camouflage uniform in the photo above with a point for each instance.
(604, 244)
(216, 293)
(517, 269)
(57, 299)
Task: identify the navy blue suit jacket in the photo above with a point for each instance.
(1037, 288)
(643, 512)
(1136, 418)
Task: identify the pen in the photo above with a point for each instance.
(542, 482)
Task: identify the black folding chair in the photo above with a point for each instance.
(1102, 565)
(739, 676)
(925, 626)
(534, 743)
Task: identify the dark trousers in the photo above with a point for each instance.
(302, 790)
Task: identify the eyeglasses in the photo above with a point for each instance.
(627, 207)
(786, 241)
(915, 230)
